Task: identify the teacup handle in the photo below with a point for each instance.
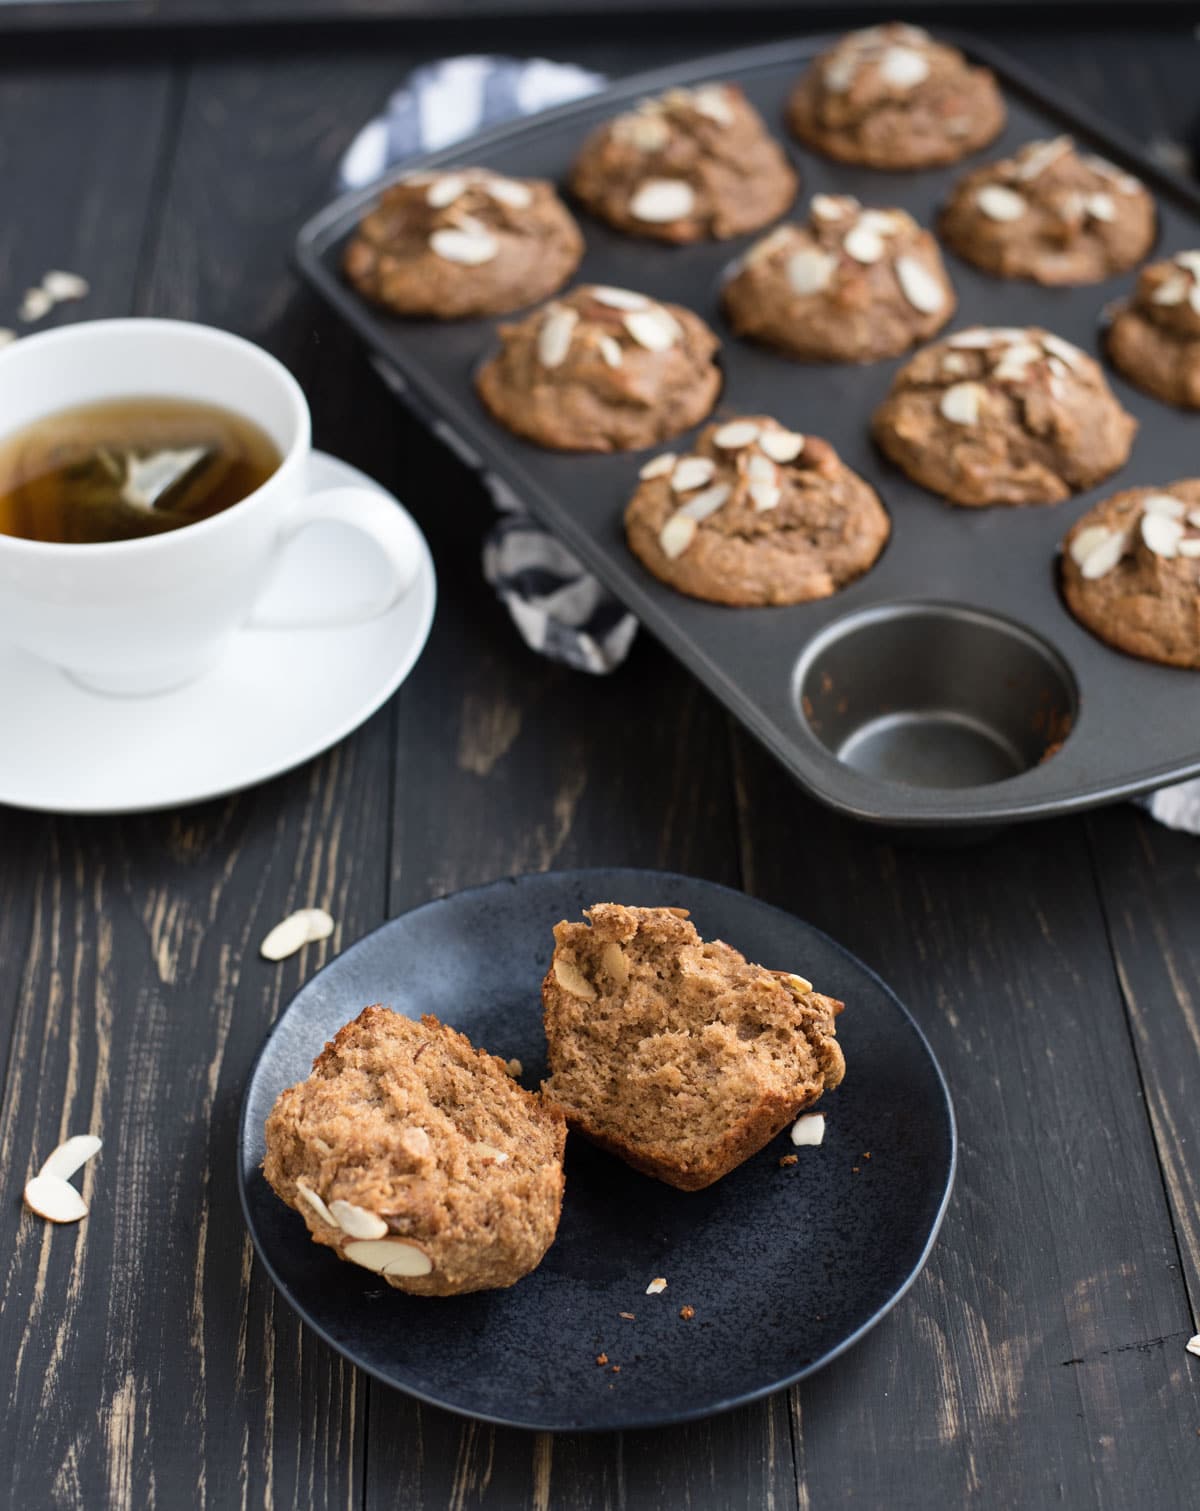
(373, 515)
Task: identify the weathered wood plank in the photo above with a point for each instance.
(1149, 880)
(1042, 1347)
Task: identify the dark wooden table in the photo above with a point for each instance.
(1039, 1360)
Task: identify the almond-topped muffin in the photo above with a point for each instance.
(413, 1154)
(1003, 416)
(1052, 214)
(463, 242)
(892, 97)
(853, 285)
(1131, 572)
(602, 369)
(688, 165)
(1154, 339)
(678, 1055)
(755, 514)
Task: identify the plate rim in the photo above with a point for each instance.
(670, 1418)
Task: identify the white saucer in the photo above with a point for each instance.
(278, 698)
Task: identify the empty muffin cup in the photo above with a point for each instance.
(935, 695)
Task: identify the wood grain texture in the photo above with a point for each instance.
(1043, 1343)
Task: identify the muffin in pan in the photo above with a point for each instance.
(687, 165)
(418, 1157)
(1003, 416)
(602, 369)
(461, 243)
(677, 1054)
(893, 97)
(1154, 338)
(853, 285)
(1131, 572)
(1052, 214)
(755, 514)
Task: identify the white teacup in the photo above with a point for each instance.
(146, 615)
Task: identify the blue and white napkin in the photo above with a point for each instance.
(558, 608)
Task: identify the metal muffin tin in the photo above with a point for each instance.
(928, 693)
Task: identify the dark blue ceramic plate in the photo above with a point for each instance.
(785, 1267)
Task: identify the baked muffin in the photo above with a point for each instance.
(892, 97)
(463, 242)
(688, 165)
(414, 1155)
(1003, 416)
(853, 285)
(1154, 339)
(755, 514)
(602, 369)
(679, 1056)
(1052, 214)
(1131, 572)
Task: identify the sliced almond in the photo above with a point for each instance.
(764, 495)
(62, 286)
(809, 1129)
(1034, 159)
(71, 1155)
(660, 200)
(1189, 260)
(610, 349)
(1193, 1345)
(7, 336)
(357, 1222)
(701, 505)
(658, 466)
(903, 68)
(735, 435)
(841, 70)
(1194, 518)
(810, 270)
(1164, 503)
(469, 248)
(781, 445)
(712, 102)
(509, 191)
(676, 536)
(980, 337)
(1162, 535)
(999, 203)
(643, 131)
(444, 191)
(759, 468)
(961, 403)
(613, 958)
(864, 243)
(656, 1287)
(801, 984)
(655, 329)
(315, 1203)
(1190, 547)
(919, 286)
(554, 335)
(1101, 207)
(833, 206)
(955, 364)
(1087, 541)
(1071, 355)
(1102, 558)
(415, 1141)
(35, 305)
(618, 299)
(389, 1256)
(692, 472)
(571, 978)
(55, 1200)
(1194, 298)
(305, 926)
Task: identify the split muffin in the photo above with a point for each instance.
(418, 1157)
(678, 1055)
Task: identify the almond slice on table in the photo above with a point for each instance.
(49, 1193)
(809, 1129)
(305, 926)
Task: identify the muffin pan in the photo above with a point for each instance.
(947, 687)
